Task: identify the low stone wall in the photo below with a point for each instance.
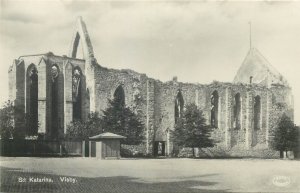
(133, 150)
(222, 152)
(40, 148)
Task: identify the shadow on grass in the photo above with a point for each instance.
(10, 183)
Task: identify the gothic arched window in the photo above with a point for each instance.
(257, 112)
(32, 100)
(54, 105)
(119, 96)
(237, 111)
(179, 104)
(214, 109)
(76, 93)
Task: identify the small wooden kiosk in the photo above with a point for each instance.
(105, 146)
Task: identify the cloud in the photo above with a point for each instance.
(20, 17)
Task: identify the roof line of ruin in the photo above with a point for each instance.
(50, 54)
(31, 55)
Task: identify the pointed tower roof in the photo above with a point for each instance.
(262, 72)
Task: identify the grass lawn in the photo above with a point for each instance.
(24, 174)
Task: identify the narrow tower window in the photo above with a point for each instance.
(257, 112)
(54, 96)
(214, 109)
(237, 111)
(179, 103)
(32, 101)
(119, 96)
(76, 93)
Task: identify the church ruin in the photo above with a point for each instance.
(54, 90)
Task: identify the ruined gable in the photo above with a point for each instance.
(259, 69)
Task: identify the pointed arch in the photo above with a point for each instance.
(179, 104)
(75, 45)
(119, 96)
(214, 109)
(257, 112)
(32, 99)
(81, 34)
(237, 111)
(77, 93)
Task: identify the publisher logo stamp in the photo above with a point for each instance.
(281, 181)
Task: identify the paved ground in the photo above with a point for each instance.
(148, 175)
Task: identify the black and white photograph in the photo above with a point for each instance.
(149, 96)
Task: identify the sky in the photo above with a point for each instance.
(196, 41)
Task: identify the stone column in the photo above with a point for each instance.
(147, 117)
(227, 134)
(68, 103)
(25, 89)
(90, 84)
(168, 142)
(12, 82)
(248, 123)
(241, 113)
(261, 113)
(267, 119)
(20, 95)
(42, 91)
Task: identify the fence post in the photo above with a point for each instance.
(34, 148)
(90, 149)
(83, 149)
(60, 150)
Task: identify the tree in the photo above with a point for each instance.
(7, 120)
(119, 119)
(191, 129)
(31, 126)
(9, 114)
(82, 130)
(285, 135)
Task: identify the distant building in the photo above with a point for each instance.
(55, 90)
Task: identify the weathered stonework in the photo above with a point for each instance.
(153, 101)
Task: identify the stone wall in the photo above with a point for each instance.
(139, 94)
(156, 104)
(153, 101)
